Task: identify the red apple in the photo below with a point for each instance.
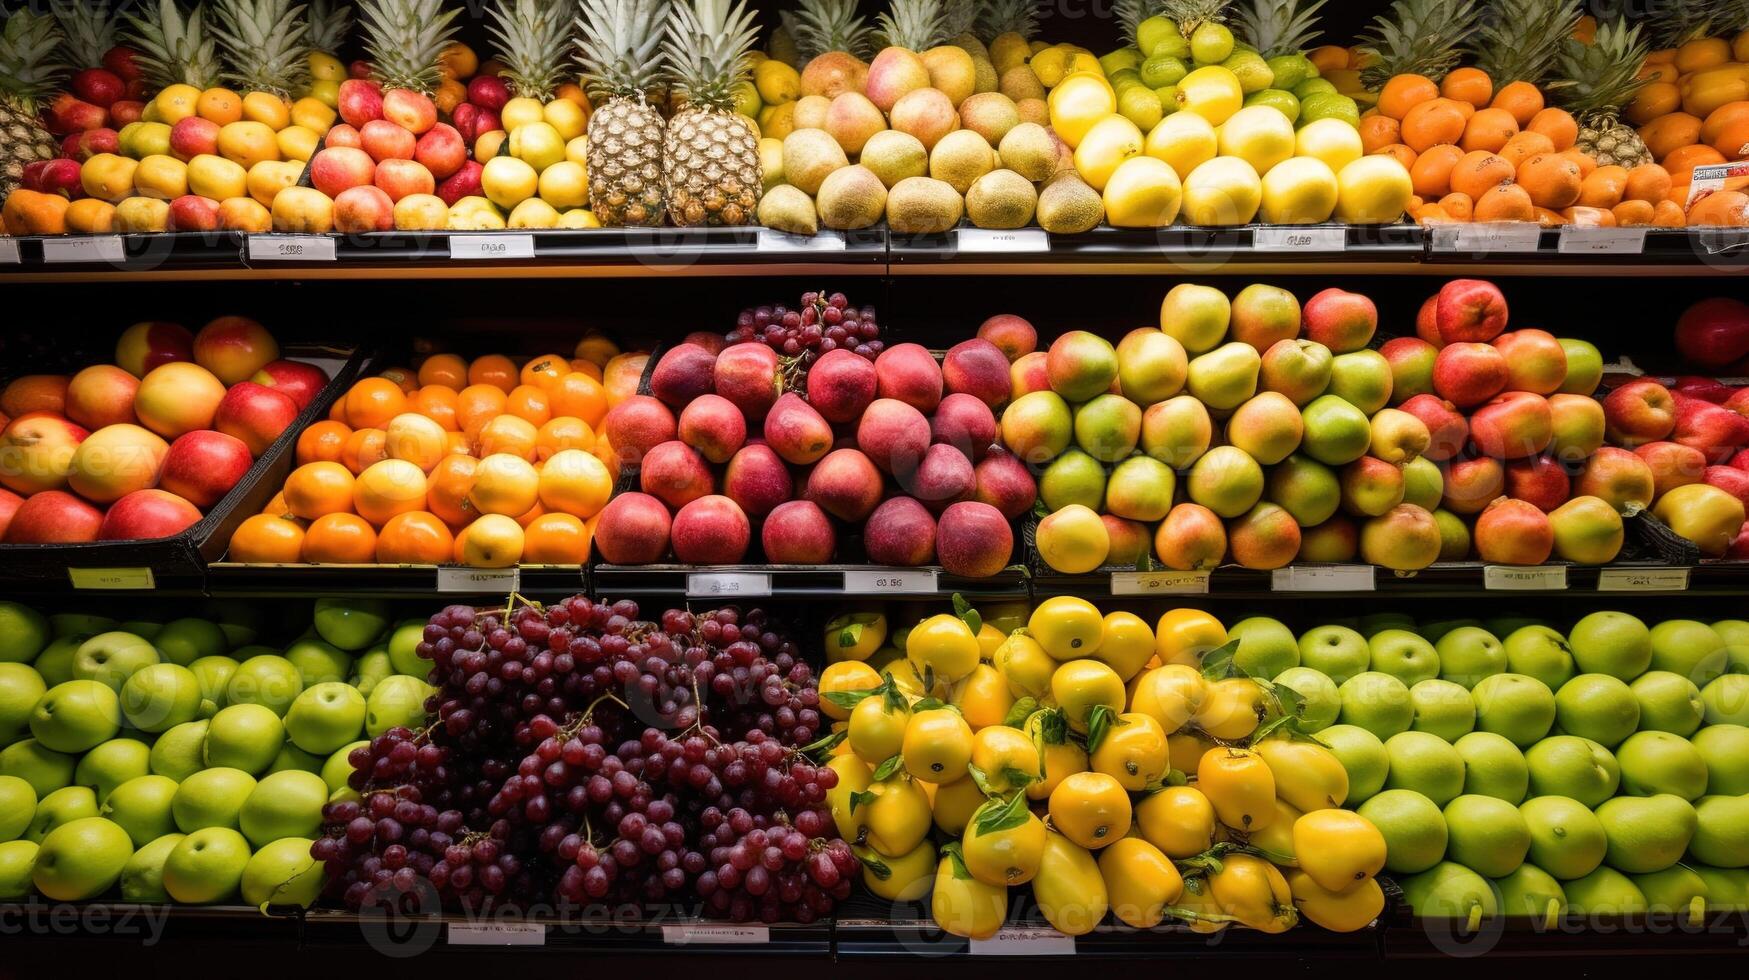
(1639, 412)
(130, 110)
(9, 504)
(335, 168)
(1712, 429)
(1470, 311)
(488, 92)
(194, 136)
(1714, 333)
(255, 414)
(303, 382)
(343, 134)
(1535, 361)
(1729, 479)
(202, 466)
(85, 145)
(1427, 321)
(1468, 374)
(384, 140)
(191, 212)
(1706, 389)
(147, 344)
(234, 347)
(53, 517)
(442, 150)
(360, 101)
(463, 183)
(146, 514)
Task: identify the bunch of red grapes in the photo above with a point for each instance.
(578, 755)
(821, 324)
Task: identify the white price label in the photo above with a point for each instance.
(1003, 240)
(1711, 178)
(772, 240)
(84, 248)
(1504, 236)
(720, 935)
(291, 248)
(1323, 578)
(111, 578)
(8, 251)
(497, 934)
(1024, 941)
(1168, 582)
(705, 585)
(1524, 578)
(1643, 580)
(493, 581)
(1300, 239)
(1601, 241)
(470, 247)
(892, 581)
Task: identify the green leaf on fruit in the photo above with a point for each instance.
(827, 744)
(929, 704)
(1018, 714)
(887, 769)
(850, 699)
(894, 698)
(872, 863)
(1220, 664)
(956, 860)
(981, 780)
(1053, 726)
(967, 614)
(862, 798)
(850, 635)
(999, 815)
(1145, 561)
(1100, 721)
(1018, 778)
(1039, 510)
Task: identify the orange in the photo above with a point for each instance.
(1724, 208)
(564, 432)
(1585, 32)
(459, 443)
(574, 482)
(1731, 139)
(1551, 180)
(622, 375)
(556, 539)
(404, 378)
(276, 506)
(438, 404)
(1668, 214)
(504, 484)
(220, 105)
(1581, 159)
(1476, 172)
(1667, 134)
(1489, 129)
(1470, 85)
(387, 488)
(35, 393)
(1431, 173)
(1603, 188)
(1655, 100)
(372, 402)
(1522, 99)
(1404, 92)
(545, 371)
(1585, 217)
(1681, 163)
(530, 403)
(507, 434)
(1558, 125)
(1632, 213)
(340, 538)
(587, 367)
(1460, 207)
(415, 538)
(581, 396)
(1330, 57)
(416, 439)
(323, 440)
(1507, 202)
(1432, 123)
(267, 538)
(476, 405)
(1727, 116)
(531, 515)
(1400, 153)
(446, 490)
(1379, 130)
(1701, 54)
(1548, 217)
(597, 348)
(448, 370)
(493, 541)
(1430, 214)
(337, 411)
(495, 370)
(315, 489)
(364, 447)
(1524, 146)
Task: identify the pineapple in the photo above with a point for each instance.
(329, 23)
(1131, 13)
(712, 173)
(958, 19)
(173, 47)
(1418, 37)
(1019, 17)
(533, 38)
(1676, 24)
(1279, 27)
(617, 51)
(404, 39)
(1190, 14)
(263, 40)
(831, 25)
(89, 28)
(1597, 79)
(1521, 39)
(915, 25)
(28, 42)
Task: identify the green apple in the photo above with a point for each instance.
(1726, 699)
(1735, 633)
(1372, 624)
(1443, 708)
(1530, 892)
(1566, 838)
(1676, 889)
(1362, 755)
(142, 628)
(268, 680)
(177, 752)
(1539, 652)
(17, 807)
(318, 662)
(70, 624)
(1403, 655)
(291, 757)
(404, 648)
(1612, 643)
(55, 663)
(142, 878)
(158, 697)
(370, 668)
(1567, 765)
(1468, 654)
(42, 767)
(1727, 888)
(1487, 835)
(214, 675)
(1688, 648)
(1266, 647)
(325, 717)
(1426, 764)
(65, 805)
(1376, 702)
(283, 873)
(1584, 366)
(283, 804)
(1361, 378)
(1432, 631)
(206, 866)
(1321, 701)
(21, 687)
(113, 657)
(351, 624)
(1726, 751)
(243, 736)
(1659, 762)
(141, 806)
(75, 716)
(240, 620)
(23, 633)
(1646, 833)
(81, 859)
(111, 764)
(183, 641)
(1413, 827)
(1721, 836)
(1598, 707)
(1493, 766)
(210, 798)
(398, 701)
(17, 858)
(1449, 890)
(1668, 703)
(1503, 626)
(338, 766)
(1518, 707)
(1335, 651)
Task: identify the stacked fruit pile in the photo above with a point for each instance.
(479, 463)
(873, 444)
(182, 761)
(85, 458)
(1099, 724)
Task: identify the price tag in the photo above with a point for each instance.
(772, 240)
(1167, 582)
(721, 935)
(493, 581)
(1601, 241)
(1643, 580)
(291, 248)
(892, 581)
(705, 585)
(1300, 239)
(497, 934)
(1711, 178)
(84, 248)
(469, 247)
(1529, 578)
(1323, 578)
(1513, 236)
(1003, 240)
(1024, 941)
(111, 578)
(8, 251)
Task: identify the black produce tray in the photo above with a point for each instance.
(677, 931)
(1399, 244)
(141, 252)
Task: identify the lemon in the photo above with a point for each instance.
(1211, 42)
(1184, 140)
(955, 803)
(1232, 709)
(847, 676)
(1333, 141)
(1079, 686)
(1069, 888)
(904, 878)
(1109, 142)
(1090, 808)
(961, 904)
(983, 698)
(1126, 643)
(1182, 636)
(1025, 665)
(1340, 848)
(1276, 840)
(1050, 65)
(1211, 92)
(1301, 191)
(1081, 61)
(855, 636)
(1143, 193)
(1179, 820)
(1161, 70)
(1240, 786)
(1141, 105)
(1277, 99)
(1007, 758)
(1171, 695)
(877, 729)
(1133, 752)
(1009, 852)
(1074, 540)
(508, 181)
(1372, 190)
(777, 82)
(1259, 135)
(937, 745)
(1250, 69)
(1253, 891)
(942, 648)
(1329, 105)
(1078, 103)
(1059, 756)
(1343, 911)
(1067, 627)
(854, 775)
(1307, 774)
(898, 818)
(1224, 191)
(1139, 881)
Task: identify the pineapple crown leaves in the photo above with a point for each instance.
(960, 17)
(263, 41)
(89, 26)
(1603, 76)
(329, 23)
(1519, 40)
(915, 25)
(404, 39)
(1191, 14)
(999, 17)
(1422, 37)
(1129, 14)
(618, 45)
(1279, 27)
(173, 47)
(27, 42)
(1679, 21)
(707, 50)
(533, 38)
(830, 25)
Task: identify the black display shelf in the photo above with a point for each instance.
(238, 580)
(121, 254)
(729, 582)
(677, 932)
(1154, 250)
(1571, 938)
